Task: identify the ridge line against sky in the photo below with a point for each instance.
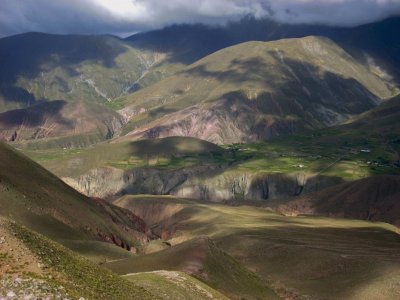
(124, 17)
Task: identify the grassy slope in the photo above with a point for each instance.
(32, 196)
(81, 278)
(284, 85)
(304, 256)
(174, 285)
(202, 259)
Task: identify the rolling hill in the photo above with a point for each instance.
(299, 257)
(255, 91)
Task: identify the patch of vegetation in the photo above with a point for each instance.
(174, 285)
(80, 277)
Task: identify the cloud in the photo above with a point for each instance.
(127, 16)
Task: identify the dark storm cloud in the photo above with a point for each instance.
(127, 16)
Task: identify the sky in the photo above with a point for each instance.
(124, 17)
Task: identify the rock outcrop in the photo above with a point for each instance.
(201, 183)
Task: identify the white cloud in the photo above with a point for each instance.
(120, 16)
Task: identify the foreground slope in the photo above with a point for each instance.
(34, 197)
(41, 217)
(255, 91)
(300, 257)
(37, 267)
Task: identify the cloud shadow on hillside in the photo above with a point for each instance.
(27, 55)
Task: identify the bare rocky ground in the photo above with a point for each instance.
(21, 274)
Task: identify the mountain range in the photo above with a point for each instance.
(254, 160)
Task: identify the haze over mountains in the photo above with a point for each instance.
(255, 160)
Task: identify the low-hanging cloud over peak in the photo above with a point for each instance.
(127, 16)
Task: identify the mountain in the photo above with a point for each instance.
(60, 123)
(375, 43)
(37, 67)
(256, 91)
(372, 198)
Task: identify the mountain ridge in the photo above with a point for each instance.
(288, 85)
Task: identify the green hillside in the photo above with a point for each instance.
(63, 273)
(254, 91)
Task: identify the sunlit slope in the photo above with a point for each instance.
(311, 257)
(256, 90)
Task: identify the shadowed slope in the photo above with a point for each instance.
(33, 197)
(37, 66)
(375, 198)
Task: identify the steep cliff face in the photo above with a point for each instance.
(251, 186)
(108, 182)
(201, 183)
